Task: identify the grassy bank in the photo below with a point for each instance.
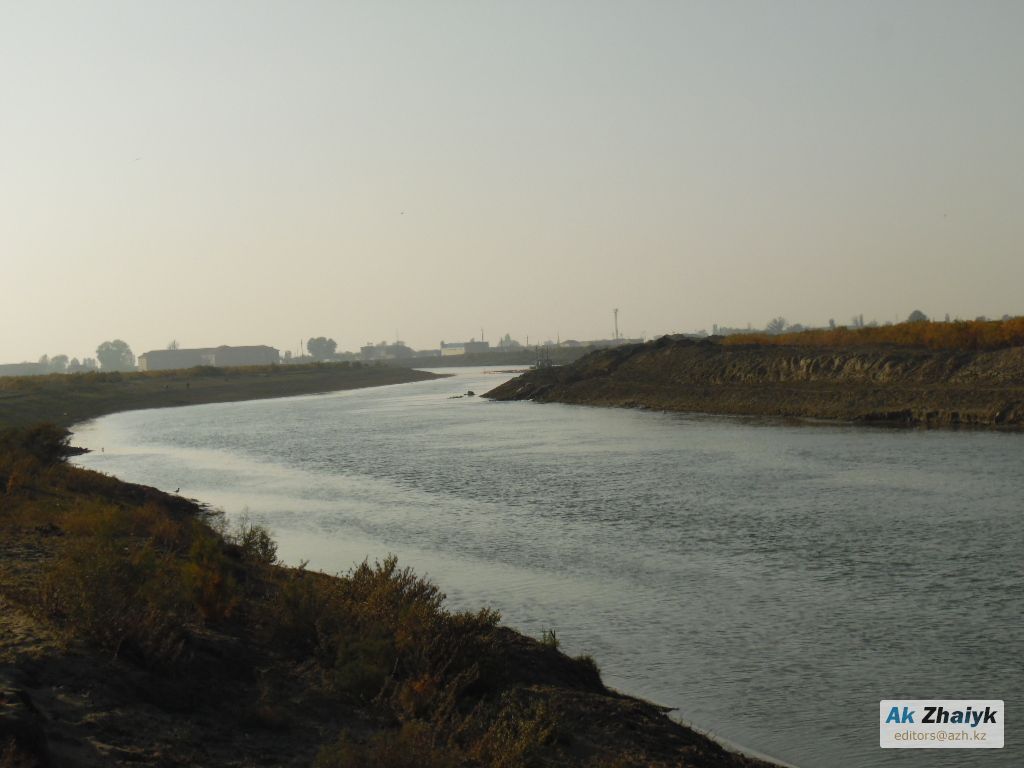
(67, 399)
(137, 627)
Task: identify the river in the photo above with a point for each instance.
(771, 581)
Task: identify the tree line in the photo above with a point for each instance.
(114, 355)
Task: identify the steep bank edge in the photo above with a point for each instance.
(879, 385)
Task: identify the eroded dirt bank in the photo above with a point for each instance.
(888, 385)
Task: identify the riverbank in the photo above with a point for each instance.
(67, 399)
(905, 386)
(136, 627)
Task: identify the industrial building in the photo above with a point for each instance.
(222, 357)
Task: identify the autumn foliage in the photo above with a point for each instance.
(965, 335)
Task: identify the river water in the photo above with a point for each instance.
(772, 581)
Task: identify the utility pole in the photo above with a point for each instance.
(616, 312)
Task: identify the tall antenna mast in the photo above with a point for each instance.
(616, 312)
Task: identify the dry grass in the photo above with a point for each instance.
(958, 335)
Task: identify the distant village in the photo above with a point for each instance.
(117, 355)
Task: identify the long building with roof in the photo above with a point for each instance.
(221, 357)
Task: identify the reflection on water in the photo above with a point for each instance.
(773, 582)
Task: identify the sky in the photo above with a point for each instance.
(263, 172)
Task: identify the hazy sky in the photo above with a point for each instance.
(261, 172)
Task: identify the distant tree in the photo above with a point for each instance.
(321, 348)
(88, 363)
(59, 363)
(832, 323)
(507, 343)
(172, 344)
(115, 355)
(776, 325)
(45, 361)
(74, 366)
(917, 316)
(857, 321)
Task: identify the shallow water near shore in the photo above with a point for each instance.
(773, 582)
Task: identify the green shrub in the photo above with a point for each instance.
(128, 601)
(295, 613)
(132, 578)
(524, 733)
(256, 542)
(381, 632)
(588, 661)
(363, 662)
(41, 445)
(209, 577)
(21, 474)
